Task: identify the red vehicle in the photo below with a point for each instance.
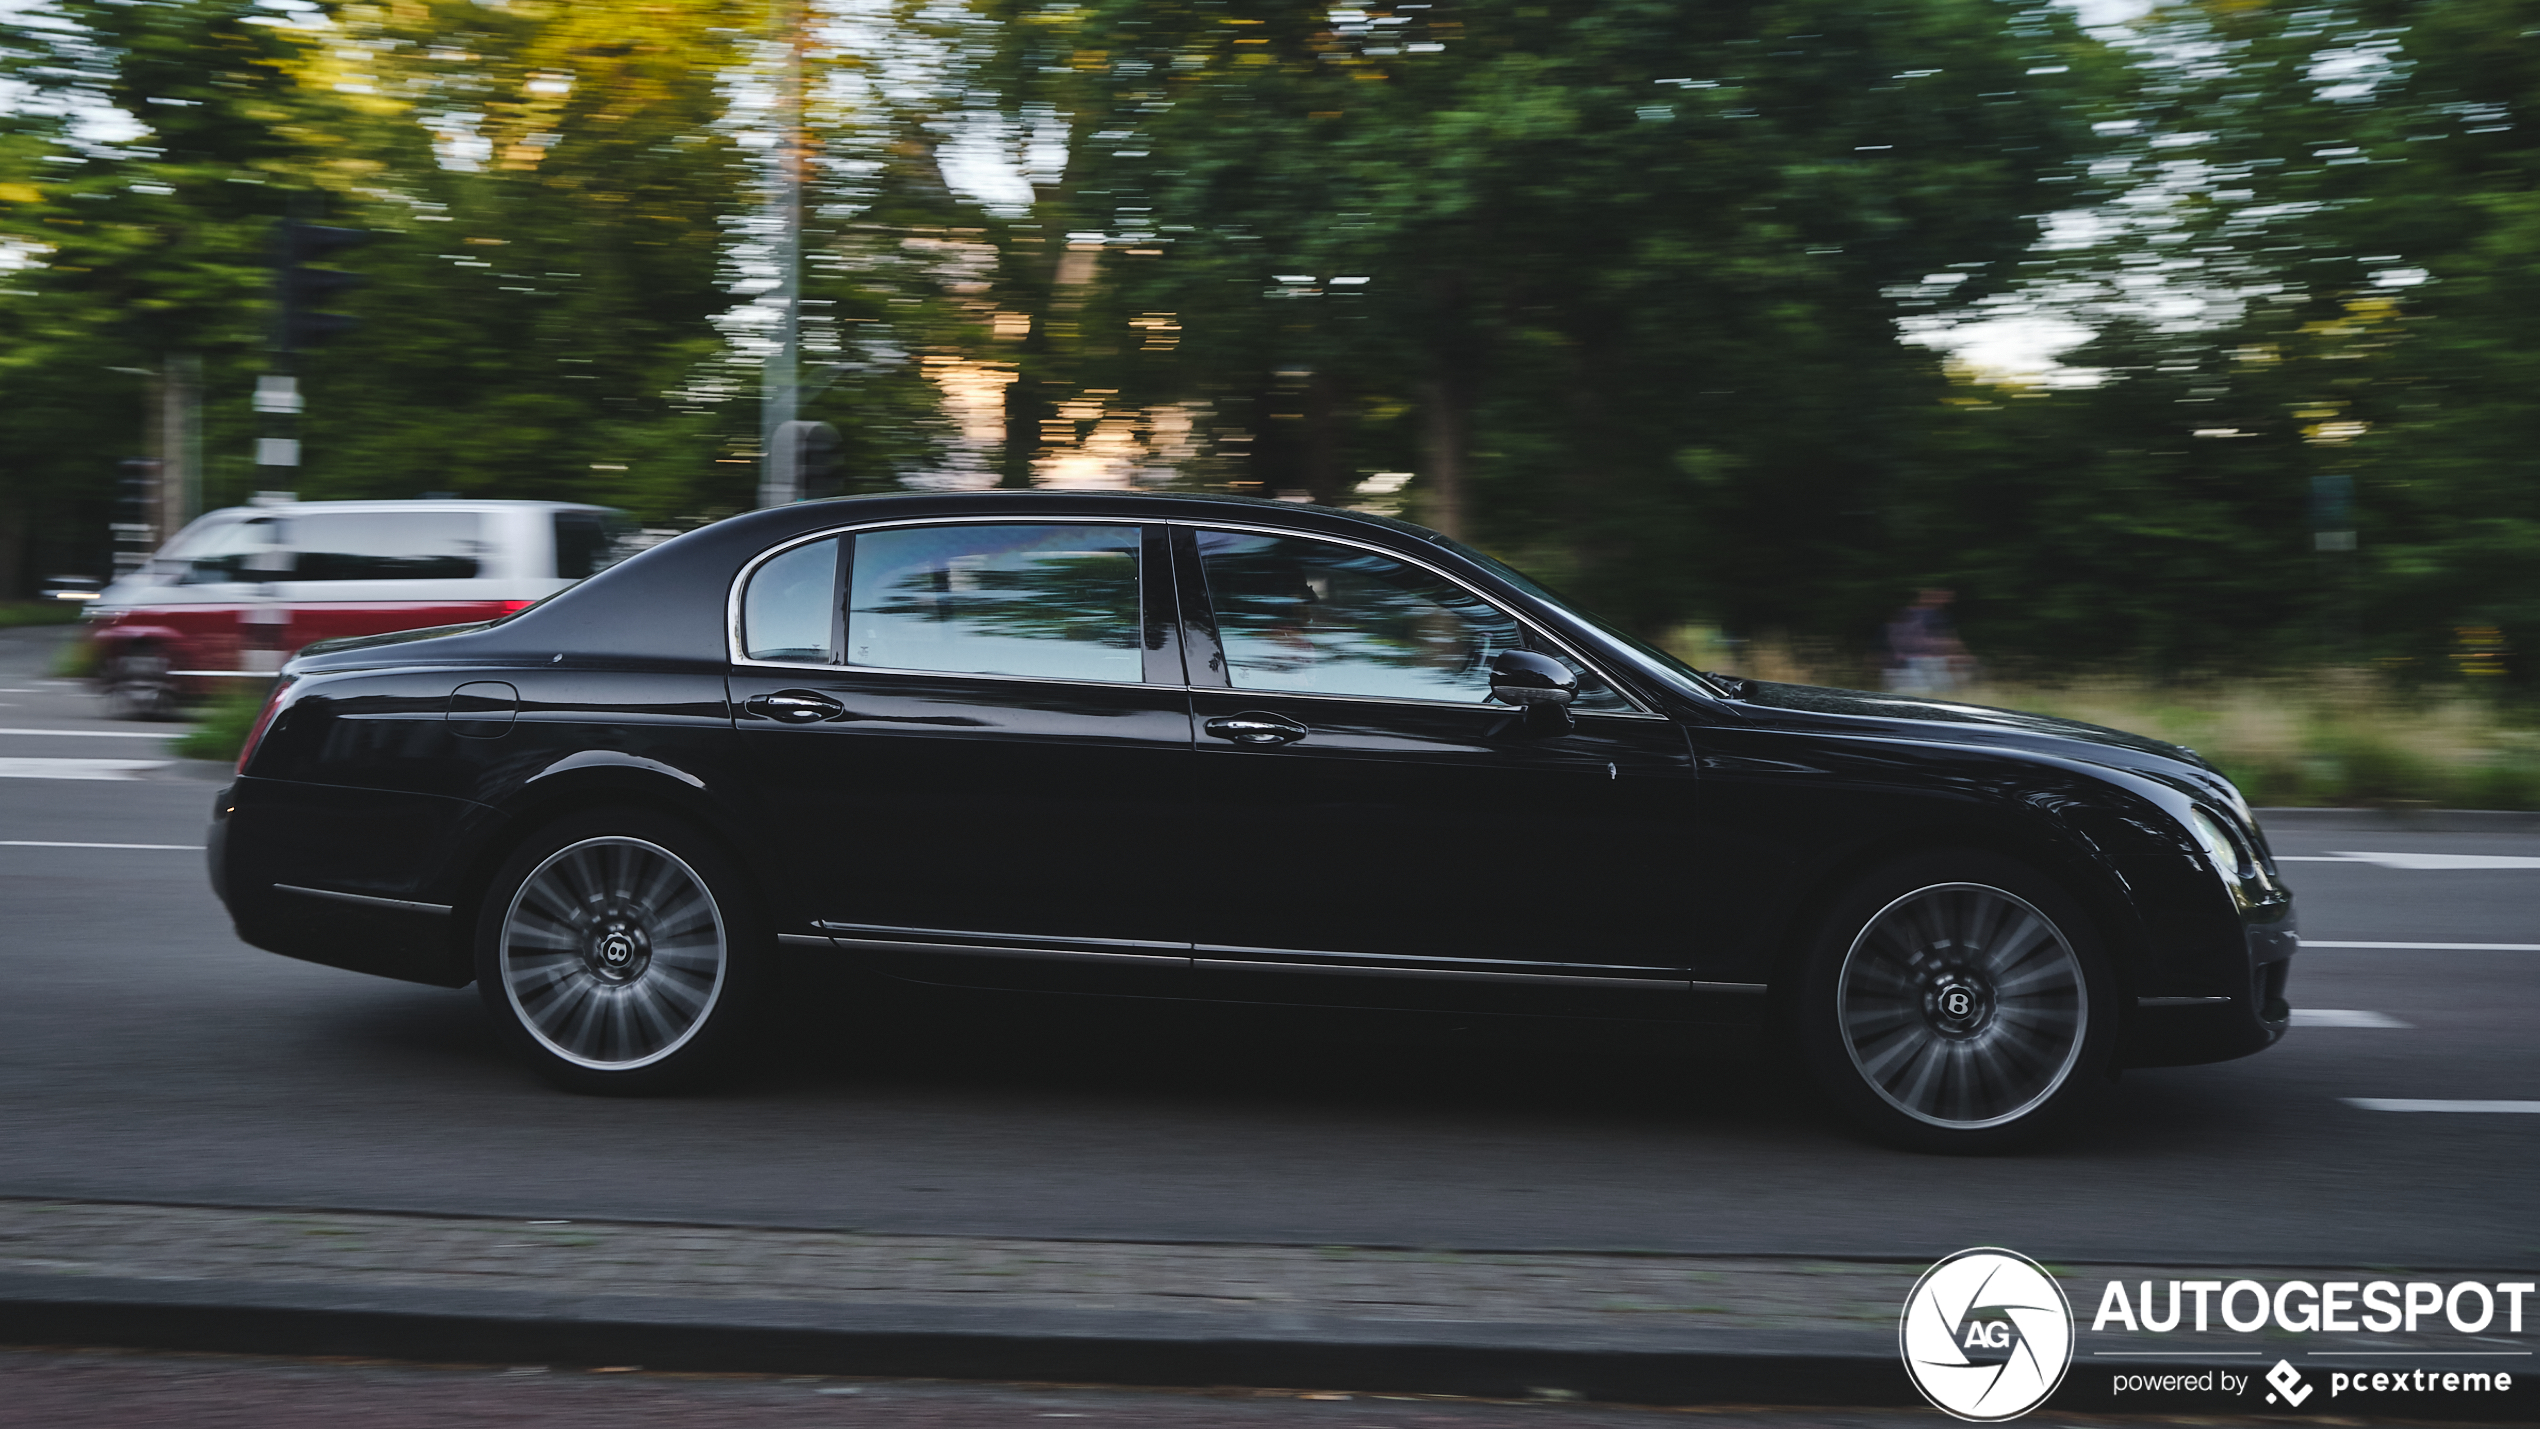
(239, 591)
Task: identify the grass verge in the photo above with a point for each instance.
(38, 612)
(2321, 738)
(226, 719)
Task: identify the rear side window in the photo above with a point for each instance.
(790, 611)
(1058, 602)
(589, 542)
(386, 545)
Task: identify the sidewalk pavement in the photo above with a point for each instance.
(1654, 1328)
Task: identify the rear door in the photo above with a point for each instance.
(973, 739)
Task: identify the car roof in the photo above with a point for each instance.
(288, 508)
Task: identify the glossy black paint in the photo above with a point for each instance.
(1181, 837)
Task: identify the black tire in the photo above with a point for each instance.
(1957, 1001)
(621, 953)
(135, 684)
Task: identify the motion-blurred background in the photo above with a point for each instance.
(2189, 347)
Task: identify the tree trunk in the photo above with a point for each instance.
(1446, 421)
(1326, 466)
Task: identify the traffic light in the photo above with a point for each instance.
(303, 287)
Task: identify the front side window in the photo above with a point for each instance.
(1310, 617)
(249, 550)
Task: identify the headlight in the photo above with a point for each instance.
(2228, 857)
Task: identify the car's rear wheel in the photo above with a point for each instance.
(620, 953)
(136, 683)
(1957, 1002)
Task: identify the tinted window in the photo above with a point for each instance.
(1313, 617)
(589, 542)
(385, 545)
(247, 550)
(1053, 601)
(790, 611)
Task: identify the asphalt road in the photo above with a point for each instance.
(146, 1054)
(112, 1390)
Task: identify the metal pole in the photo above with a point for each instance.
(180, 442)
(779, 481)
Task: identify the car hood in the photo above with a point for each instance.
(1983, 724)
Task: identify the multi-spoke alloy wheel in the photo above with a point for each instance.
(1962, 1006)
(1956, 1002)
(612, 955)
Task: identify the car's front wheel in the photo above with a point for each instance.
(1957, 1002)
(619, 953)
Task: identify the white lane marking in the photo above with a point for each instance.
(2432, 947)
(19, 690)
(2417, 861)
(2436, 1104)
(2344, 1017)
(76, 768)
(2444, 860)
(57, 843)
(99, 733)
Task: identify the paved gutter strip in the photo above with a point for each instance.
(1649, 1328)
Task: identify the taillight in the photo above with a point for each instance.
(264, 721)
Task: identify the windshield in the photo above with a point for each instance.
(1658, 661)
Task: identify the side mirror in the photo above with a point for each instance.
(1530, 681)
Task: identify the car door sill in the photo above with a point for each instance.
(956, 936)
(1446, 974)
(401, 905)
(875, 938)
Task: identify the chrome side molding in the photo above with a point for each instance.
(399, 905)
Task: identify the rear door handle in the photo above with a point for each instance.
(1254, 727)
(794, 706)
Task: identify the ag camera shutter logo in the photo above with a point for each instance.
(1987, 1335)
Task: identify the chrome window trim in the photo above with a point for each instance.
(733, 646)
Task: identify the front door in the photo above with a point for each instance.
(973, 740)
(1378, 831)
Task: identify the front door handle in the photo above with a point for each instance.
(1254, 727)
(794, 706)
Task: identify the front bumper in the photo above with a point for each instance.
(2250, 1015)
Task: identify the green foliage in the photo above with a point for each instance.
(226, 723)
(15, 613)
(1620, 281)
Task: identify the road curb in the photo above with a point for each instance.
(2424, 821)
(1849, 1368)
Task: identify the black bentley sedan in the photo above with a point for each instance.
(1215, 748)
